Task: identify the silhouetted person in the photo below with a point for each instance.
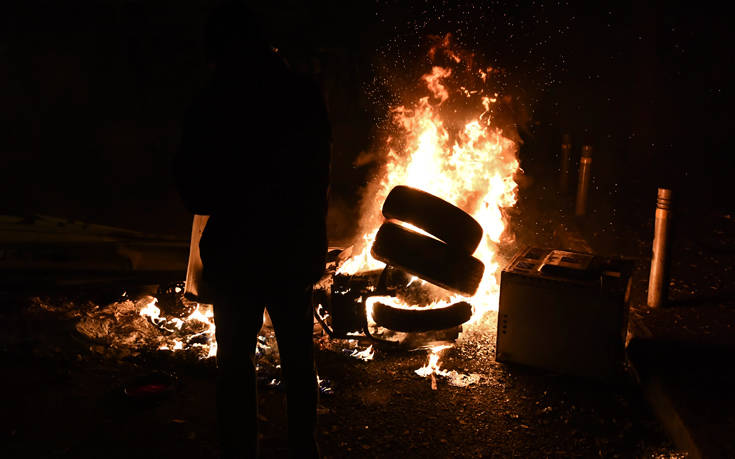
(255, 157)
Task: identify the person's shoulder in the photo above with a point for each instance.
(302, 83)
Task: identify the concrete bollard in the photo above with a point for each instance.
(566, 153)
(583, 185)
(658, 279)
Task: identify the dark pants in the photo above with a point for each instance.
(238, 315)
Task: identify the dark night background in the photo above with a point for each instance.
(92, 93)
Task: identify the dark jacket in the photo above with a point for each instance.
(255, 156)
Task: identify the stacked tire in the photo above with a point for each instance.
(444, 257)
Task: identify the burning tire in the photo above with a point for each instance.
(435, 216)
(428, 258)
(421, 319)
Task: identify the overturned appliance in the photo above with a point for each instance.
(564, 311)
(440, 254)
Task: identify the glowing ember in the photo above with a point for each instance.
(467, 163)
(199, 326)
(152, 311)
(433, 365)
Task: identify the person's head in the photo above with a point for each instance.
(232, 36)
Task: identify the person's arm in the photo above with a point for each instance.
(315, 150)
(318, 136)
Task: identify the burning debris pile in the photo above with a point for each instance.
(411, 254)
(446, 152)
(426, 260)
(141, 324)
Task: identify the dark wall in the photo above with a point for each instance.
(92, 92)
(648, 86)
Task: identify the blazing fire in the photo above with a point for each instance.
(201, 319)
(446, 143)
(469, 163)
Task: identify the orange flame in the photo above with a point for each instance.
(433, 81)
(471, 165)
(203, 314)
(432, 369)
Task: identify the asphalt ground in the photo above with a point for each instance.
(64, 395)
(679, 353)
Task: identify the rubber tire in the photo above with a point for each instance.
(435, 216)
(421, 320)
(427, 258)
